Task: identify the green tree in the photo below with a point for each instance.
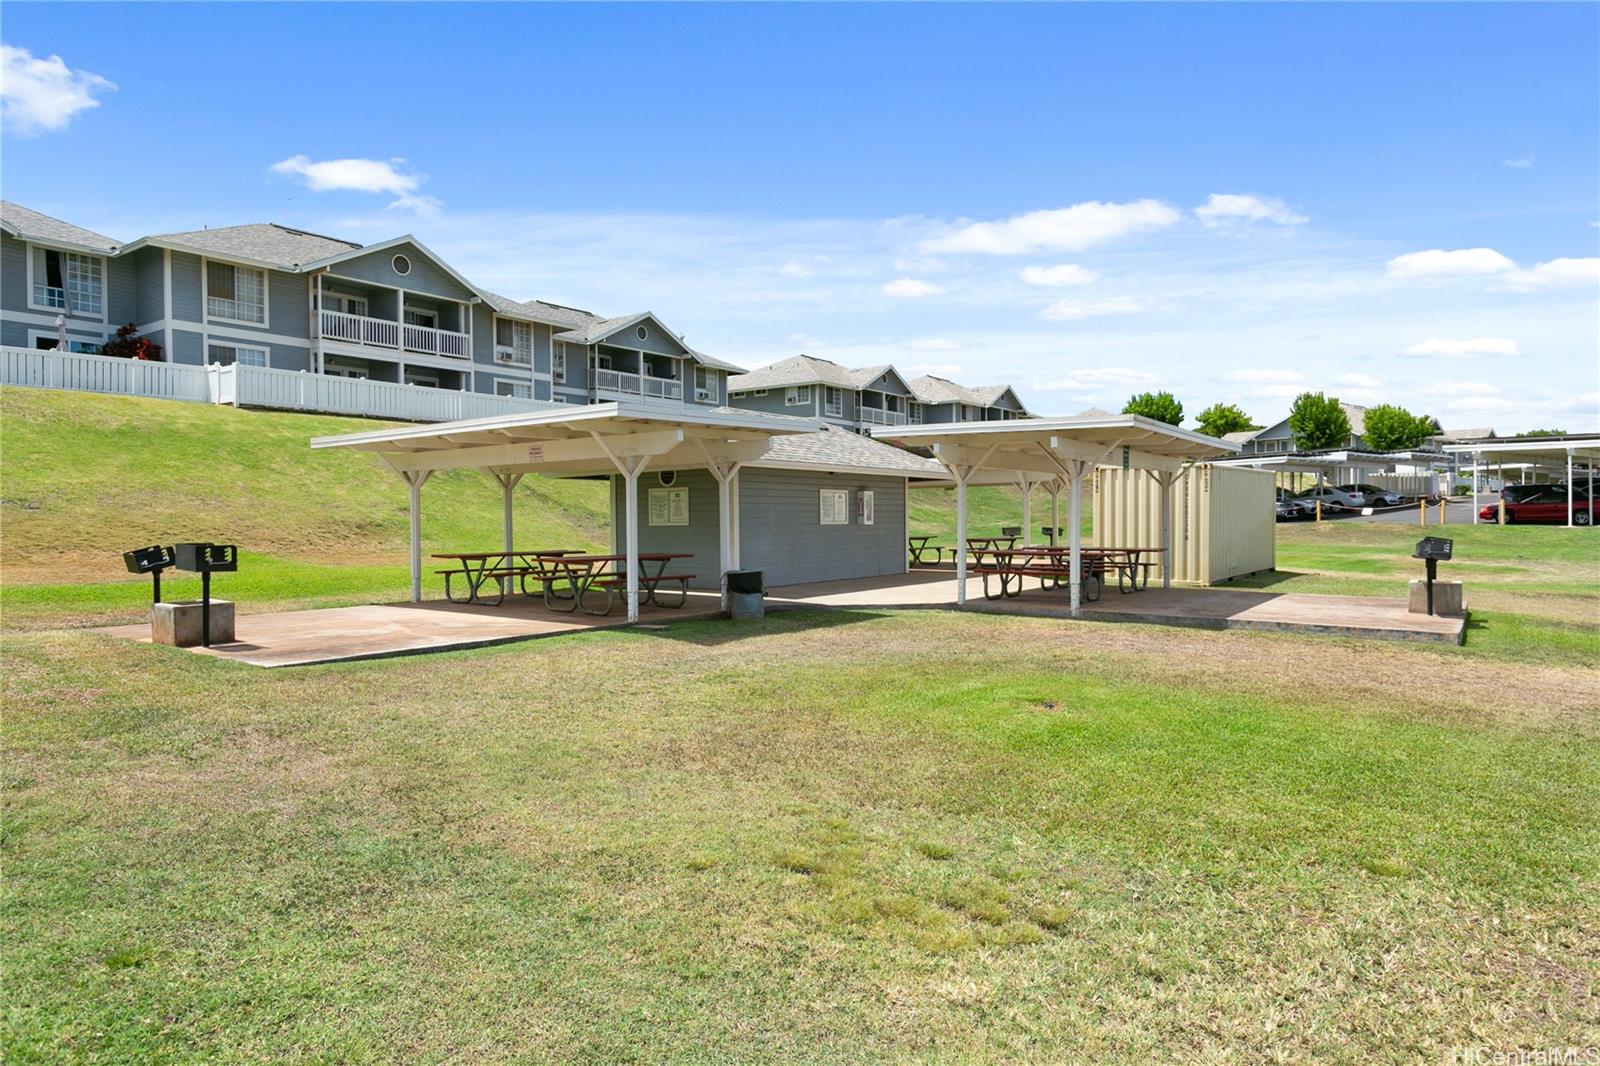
(1161, 406)
(1393, 429)
(1317, 422)
(1542, 433)
(1221, 419)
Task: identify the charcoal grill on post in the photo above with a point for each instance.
(205, 560)
(1431, 550)
(152, 561)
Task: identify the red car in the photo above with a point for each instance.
(1549, 504)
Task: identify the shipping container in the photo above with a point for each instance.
(1223, 520)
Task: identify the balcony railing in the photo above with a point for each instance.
(382, 333)
(637, 385)
(881, 417)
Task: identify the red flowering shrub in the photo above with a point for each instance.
(129, 345)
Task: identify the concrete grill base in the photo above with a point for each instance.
(178, 623)
(1448, 599)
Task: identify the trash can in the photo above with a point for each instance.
(747, 599)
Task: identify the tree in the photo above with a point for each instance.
(1317, 422)
(1542, 433)
(1161, 406)
(1394, 429)
(129, 345)
(1221, 419)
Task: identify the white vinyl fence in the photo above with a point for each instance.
(252, 386)
(98, 373)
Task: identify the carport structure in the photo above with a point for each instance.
(1059, 453)
(1573, 453)
(596, 439)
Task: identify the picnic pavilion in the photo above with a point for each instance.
(622, 438)
(1059, 454)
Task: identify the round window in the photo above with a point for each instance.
(642, 332)
(402, 265)
(668, 478)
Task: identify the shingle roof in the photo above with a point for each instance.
(598, 329)
(840, 448)
(32, 225)
(929, 389)
(262, 242)
(795, 370)
(1241, 436)
(1358, 418)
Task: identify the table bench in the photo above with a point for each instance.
(920, 548)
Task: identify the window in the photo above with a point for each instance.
(833, 402)
(642, 333)
(522, 390)
(513, 341)
(67, 281)
(348, 305)
(49, 342)
(401, 264)
(914, 412)
(705, 383)
(759, 392)
(236, 293)
(668, 478)
(422, 377)
(795, 395)
(428, 319)
(228, 354)
(864, 507)
(558, 364)
(835, 507)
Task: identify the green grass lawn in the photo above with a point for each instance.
(824, 837)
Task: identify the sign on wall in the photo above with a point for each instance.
(864, 507)
(669, 507)
(835, 507)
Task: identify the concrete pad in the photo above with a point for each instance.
(342, 634)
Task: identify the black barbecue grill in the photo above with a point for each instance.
(205, 560)
(152, 561)
(1431, 550)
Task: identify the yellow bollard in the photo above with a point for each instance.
(1441, 510)
(1319, 508)
(1422, 513)
(1502, 510)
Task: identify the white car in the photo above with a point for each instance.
(1376, 496)
(1333, 498)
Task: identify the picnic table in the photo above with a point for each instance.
(1052, 565)
(982, 547)
(476, 569)
(564, 577)
(920, 547)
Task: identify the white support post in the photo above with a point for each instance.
(961, 472)
(1027, 511)
(1055, 511)
(1477, 461)
(1075, 534)
(1569, 488)
(507, 483)
(733, 523)
(414, 480)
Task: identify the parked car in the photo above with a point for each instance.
(1376, 495)
(1549, 504)
(1518, 493)
(1333, 498)
(1290, 507)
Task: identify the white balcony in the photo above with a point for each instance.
(382, 333)
(878, 416)
(638, 385)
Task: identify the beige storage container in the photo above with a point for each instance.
(1223, 521)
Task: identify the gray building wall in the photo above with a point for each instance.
(188, 346)
(13, 274)
(577, 379)
(188, 290)
(656, 340)
(781, 528)
(426, 276)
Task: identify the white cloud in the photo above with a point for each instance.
(1278, 392)
(1253, 376)
(1555, 274)
(795, 269)
(1468, 388)
(1358, 381)
(1454, 348)
(1440, 263)
(361, 175)
(1520, 164)
(1058, 277)
(1077, 310)
(940, 370)
(933, 344)
(910, 289)
(1224, 209)
(37, 95)
(1068, 229)
(1099, 379)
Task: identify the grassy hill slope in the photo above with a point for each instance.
(84, 477)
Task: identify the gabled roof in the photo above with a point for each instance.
(533, 310)
(1241, 436)
(603, 328)
(837, 449)
(929, 389)
(587, 328)
(30, 225)
(795, 370)
(395, 242)
(865, 376)
(265, 244)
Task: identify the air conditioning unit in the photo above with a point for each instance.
(704, 394)
(504, 357)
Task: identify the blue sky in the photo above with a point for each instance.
(1389, 203)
